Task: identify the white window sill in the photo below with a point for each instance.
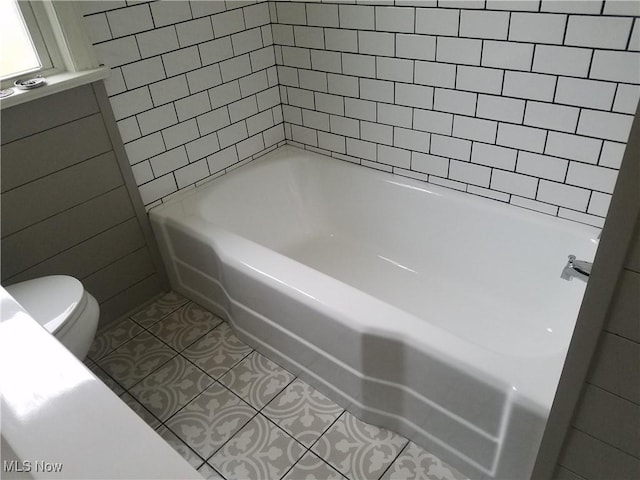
(55, 83)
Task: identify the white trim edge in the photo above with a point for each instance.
(55, 83)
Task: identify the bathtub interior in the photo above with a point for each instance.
(444, 267)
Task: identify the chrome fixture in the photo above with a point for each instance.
(576, 268)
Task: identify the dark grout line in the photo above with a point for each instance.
(396, 458)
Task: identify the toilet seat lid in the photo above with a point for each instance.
(49, 300)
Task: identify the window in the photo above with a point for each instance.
(48, 38)
(28, 44)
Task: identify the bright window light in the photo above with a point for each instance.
(18, 54)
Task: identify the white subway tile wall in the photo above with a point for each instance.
(194, 86)
(525, 102)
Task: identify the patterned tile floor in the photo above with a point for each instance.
(234, 414)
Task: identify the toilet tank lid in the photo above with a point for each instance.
(49, 300)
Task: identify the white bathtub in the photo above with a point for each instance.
(431, 312)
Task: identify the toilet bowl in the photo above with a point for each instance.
(61, 305)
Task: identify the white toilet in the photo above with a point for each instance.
(61, 305)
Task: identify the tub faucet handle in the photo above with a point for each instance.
(576, 268)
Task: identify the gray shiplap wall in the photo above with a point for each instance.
(67, 207)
